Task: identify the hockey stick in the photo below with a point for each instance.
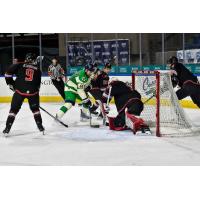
(102, 107)
(53, 117)
(38, 59)
(108, 99)
(102, 111)
(154, 95)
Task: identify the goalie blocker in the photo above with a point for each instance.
(129, 106)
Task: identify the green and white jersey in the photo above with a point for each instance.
(78, 82)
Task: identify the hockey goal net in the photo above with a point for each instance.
(162, 110)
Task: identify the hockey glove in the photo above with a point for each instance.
(86, 103)
(39, 59)
(88, 88)
(11, 87)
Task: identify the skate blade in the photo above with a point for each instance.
(146, 133)
(43, 132)
(99, 118)
(94, 115)
(39, 135)
(84, 120)
(6, 135)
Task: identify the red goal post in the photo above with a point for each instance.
(157, 94)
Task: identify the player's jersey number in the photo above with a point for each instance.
(29, 74)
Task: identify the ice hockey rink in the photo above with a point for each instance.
(81, 145)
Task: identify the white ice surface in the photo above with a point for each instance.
(81, 145)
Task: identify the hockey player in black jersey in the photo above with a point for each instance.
(26, 85)
(186, 80)
(129, 106)
(99, 85)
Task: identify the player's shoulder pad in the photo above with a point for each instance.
(83, 77)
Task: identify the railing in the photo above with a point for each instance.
(195, 68)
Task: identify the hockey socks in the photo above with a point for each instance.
(38, 120)
(63, 110)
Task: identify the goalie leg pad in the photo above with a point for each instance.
(112, 125)
(136, 107)
(134, 123)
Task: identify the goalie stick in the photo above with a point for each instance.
(102, 107)
(154, 95)
(65, 125)
(108, 99)
(102, 111)
(162, 91)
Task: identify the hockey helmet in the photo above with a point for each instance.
(91, 67)
(172, 60)
(30, 57)
(95, 64)
(108, 65)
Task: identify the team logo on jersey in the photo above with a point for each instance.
(84, 79)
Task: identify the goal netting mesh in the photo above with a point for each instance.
(162, 110)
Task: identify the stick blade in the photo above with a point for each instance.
(95, 126)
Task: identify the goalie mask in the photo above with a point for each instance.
(172, 60)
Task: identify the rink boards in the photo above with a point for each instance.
(48, 92)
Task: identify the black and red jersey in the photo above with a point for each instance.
(183, 74)
(121, 93)
(101, 82)
(28, 77)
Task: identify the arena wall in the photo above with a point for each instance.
(48, 92)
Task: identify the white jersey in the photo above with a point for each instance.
(55, 71)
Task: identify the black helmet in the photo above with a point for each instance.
(95, 64)
(30, 57)
(91, 67)
(172, 60)
(108, 65)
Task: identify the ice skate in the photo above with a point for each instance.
(84, 116)
(6, 131)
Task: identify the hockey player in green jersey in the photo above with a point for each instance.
(75, 89)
